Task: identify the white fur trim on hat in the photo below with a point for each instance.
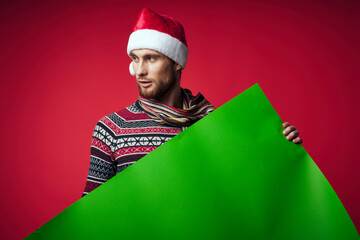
(158, 41)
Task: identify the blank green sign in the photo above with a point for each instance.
(231, 175)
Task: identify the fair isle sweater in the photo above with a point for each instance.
(120, 139)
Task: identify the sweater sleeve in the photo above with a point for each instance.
(102, 165)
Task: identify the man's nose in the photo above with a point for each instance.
(141, 68)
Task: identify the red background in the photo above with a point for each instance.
(64, 65)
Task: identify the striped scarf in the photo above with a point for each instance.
(194, 108)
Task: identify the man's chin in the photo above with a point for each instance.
(147, 93)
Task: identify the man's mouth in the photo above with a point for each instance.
(145, 83)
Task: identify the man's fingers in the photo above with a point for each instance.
(297, 140)
(288, 130)
(292, 135)
(286, 124)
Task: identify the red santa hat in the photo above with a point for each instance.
(160, 33)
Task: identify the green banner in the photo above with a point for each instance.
(231, 175)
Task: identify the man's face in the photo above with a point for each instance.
(155, 73)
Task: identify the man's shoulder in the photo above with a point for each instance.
(125, 116)
(130, 111)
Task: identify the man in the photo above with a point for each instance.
(158, 50)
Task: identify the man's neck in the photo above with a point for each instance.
(173, 98)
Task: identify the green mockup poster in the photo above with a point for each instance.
(231, 175)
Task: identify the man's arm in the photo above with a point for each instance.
(291, 133)
(102, 166)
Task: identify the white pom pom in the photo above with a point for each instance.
(131, 68)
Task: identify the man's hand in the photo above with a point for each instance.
(291, 133)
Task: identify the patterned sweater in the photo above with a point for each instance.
(120, 139)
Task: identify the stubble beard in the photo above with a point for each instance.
(160, 90)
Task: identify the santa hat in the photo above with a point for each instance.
(160, 33)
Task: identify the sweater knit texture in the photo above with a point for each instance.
(122, 138)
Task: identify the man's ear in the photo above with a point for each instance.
(177, 67)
